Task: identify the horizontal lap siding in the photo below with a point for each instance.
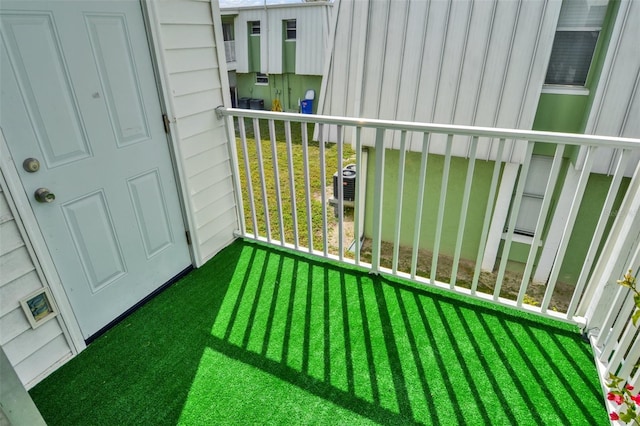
(616, 109)
(471, 63)
(195, 84)
(32, 352)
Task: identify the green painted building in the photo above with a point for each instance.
(276, 53)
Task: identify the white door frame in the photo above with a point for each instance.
(35, 241)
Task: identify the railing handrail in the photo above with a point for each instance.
(491, 132)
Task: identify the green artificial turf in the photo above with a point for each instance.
(264, 336)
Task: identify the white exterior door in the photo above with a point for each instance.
(78, 94)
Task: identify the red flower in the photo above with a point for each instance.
(614, 416)
(629, 387)
(636, 399)
(616, 398)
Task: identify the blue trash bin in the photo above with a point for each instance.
(306, 106)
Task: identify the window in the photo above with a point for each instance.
(290, 28)
(575, 41)
(262, 78)
(254, 28)
(227, 31)
(534, 188)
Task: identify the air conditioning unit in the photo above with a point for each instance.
(348, 183)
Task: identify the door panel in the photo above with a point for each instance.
(78, 94)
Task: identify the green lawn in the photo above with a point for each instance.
(266, 336)
(297, 160)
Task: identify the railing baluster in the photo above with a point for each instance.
(419, 203)
(276, 176)
(621, 303)
(357, 206)
(292, 188)
(340, 197)
(323, 190)
(621, 166)
(542, 217)
(263, 185)
(463, 209)
(630, 362)
(399, 195)
(515, 208)
(247, 171)
(566, 234)
(377, 201)
(488, 214)
(441, 204)
(235, 167)
(307, 184)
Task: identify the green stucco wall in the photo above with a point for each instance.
(435, 165)
(586, 221)
(287, 87)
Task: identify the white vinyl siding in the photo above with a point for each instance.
(195, 82)
(616, 109)
(469, 63)
(312, 29)
(34, 353)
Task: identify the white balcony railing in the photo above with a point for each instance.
(230, 50)
(270, 173)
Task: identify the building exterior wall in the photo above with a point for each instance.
(195, 76)
(480, 63)
(34, 353)
(312, 21)
(289, 88)
(469, 63)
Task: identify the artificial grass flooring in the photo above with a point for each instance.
(264, 336)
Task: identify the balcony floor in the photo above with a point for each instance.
(264, 336)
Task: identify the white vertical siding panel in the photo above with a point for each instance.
(311, 43)
(375, 58)
(414, 39)
(470, 62)
(429, 79)
(274, 39)
(391, 70)
(195, 82)
(616, 109)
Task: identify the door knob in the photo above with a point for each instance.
(31, 165)
(43, 195)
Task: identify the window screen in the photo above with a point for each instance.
(262, 78)
(254, 27)
(291, 29)
(534, 188)
(578, 29)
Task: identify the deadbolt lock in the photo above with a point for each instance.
(31, 165)
(43, 195)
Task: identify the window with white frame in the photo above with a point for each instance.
(254, 28)
(262, 78)
(575, 41)
(290, 28)
(227, 31)
(533, 194)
